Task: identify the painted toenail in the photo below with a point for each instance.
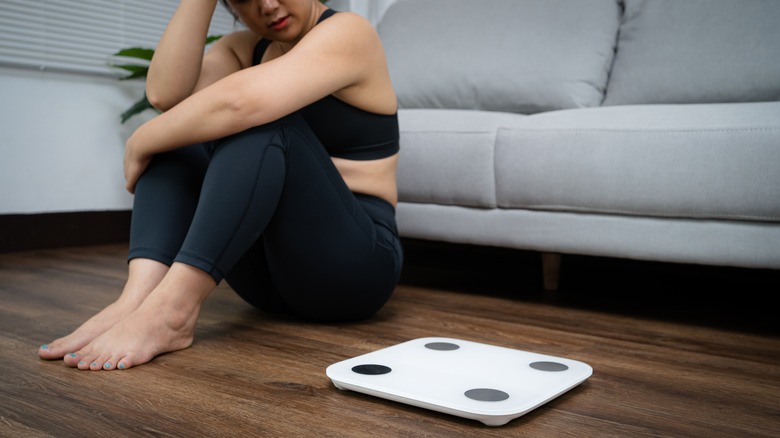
(107, 365)
(73, 355)
(121, 366)
(82, 362)
(94, 364)
(44, 347)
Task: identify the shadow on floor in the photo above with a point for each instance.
(723, 297)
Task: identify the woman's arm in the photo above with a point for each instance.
(343, 54)
(178, 67)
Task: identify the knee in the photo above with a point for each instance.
(251, 142)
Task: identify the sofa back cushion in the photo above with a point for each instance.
(697, 51)
(522, 56)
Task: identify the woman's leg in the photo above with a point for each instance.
(264, 181)
(236, 185)
(326, 253)
(143, 276)
(165, 201)
(164, 322)
(329, 270)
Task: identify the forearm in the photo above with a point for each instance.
(176, 65)
(212, 113)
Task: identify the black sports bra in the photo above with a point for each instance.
(345, 130)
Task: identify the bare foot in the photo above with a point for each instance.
(163, 323)
(88, 331)
(143, 276)
(137, 339)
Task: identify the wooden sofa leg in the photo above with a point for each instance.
(551, 270)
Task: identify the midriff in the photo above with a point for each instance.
(371, 177)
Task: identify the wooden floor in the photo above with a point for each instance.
(671, 357)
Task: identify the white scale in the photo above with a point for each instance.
(468, 379)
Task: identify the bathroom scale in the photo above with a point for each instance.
(468, 379)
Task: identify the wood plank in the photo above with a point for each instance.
(253, 374)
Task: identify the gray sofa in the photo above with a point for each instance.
(634, 129)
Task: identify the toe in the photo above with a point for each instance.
(89, 360)
(44, 351)
(71, 359)
(114, 363)
(111, 363)
(103, 362)
(98, 363)
(124, 363)
(50, 351)
(81, 359)
(84, 361)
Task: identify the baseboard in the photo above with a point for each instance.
(23, 232)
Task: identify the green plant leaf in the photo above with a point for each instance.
(136, 52)
(136, 71)
(138, 107)
(211, 38)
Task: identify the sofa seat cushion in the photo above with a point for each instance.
(447, 156)
(521, 56)
(697, 51)
(718, 161)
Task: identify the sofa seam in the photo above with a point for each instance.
(444, 131)
(651, 131)
(494, 150)
(648, 213)
(578, 210)
(645, 130)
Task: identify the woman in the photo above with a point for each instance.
(272, 166)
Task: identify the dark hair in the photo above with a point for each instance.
(227, 6)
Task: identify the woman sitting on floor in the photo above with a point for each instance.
(273, 166)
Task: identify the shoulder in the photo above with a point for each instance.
(344, 30)
(350, 19)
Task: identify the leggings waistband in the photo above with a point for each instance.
(378, 209)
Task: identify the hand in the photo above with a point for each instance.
(135, 164)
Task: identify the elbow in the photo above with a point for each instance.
(163, 96)
(160, 101)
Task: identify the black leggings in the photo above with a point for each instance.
(267, 210)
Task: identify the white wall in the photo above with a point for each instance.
(61, 141)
